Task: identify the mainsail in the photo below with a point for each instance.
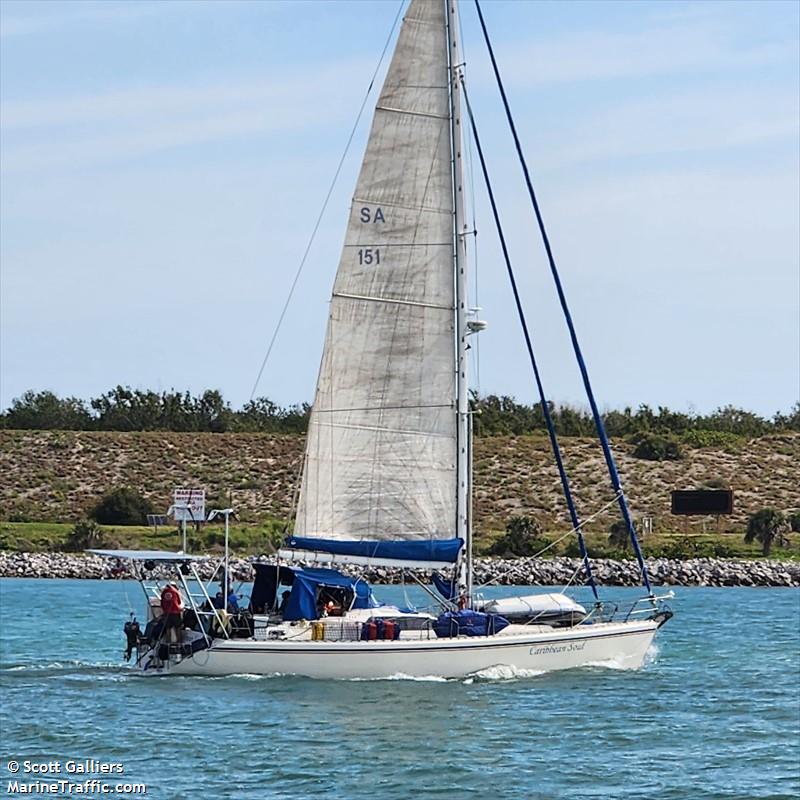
(379, 477)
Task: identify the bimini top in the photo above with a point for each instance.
(305, 590)
(163, 556)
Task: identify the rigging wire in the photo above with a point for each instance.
(551, 430)
(325, 202)
(497, 575)
(598, 420)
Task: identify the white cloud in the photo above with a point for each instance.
(101, 128)
(711, 118)
(689, 43)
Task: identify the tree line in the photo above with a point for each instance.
(503, 415)
(126, 409)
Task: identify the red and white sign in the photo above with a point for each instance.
(189, 505)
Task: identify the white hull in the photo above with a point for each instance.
(622, 644)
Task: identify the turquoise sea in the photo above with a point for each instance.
(715, 713)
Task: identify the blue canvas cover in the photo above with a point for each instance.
(446, 588)
(468, 623)
(269, 579)
(419, 550)
(303, 599)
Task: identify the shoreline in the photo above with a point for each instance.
(497, 571)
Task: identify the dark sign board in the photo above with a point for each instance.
(702, 501)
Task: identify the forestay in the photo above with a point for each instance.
(380, 462)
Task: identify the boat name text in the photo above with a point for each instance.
(548, 649)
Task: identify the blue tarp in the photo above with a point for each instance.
(303, 599)
(468, 623)
(446, 589)
(419, 550)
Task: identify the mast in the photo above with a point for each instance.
(460, 262)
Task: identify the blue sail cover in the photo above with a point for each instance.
(416, 550)
(302, 602)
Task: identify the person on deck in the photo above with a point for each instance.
(284, 601)
(233, 600)
(172, 606)
(331, 609)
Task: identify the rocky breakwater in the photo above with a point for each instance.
(518, 571)
(662, 572)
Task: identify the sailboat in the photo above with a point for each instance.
(387, 471)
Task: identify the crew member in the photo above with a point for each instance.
(332, 608)
(172, 606)
(219, 601)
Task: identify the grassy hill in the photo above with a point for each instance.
(56, 476)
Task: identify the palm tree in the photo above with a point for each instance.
(523, 538)
(84, 535)
(767, 526)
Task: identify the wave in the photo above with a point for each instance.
(249, 676)
(239, 676)
(503, 672)
(608, 663)
(650, 658)
(402, 676)
(69, 667)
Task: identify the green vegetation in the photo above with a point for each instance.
(122, 506)
(86, 533)
(720, 439)
(504, 416)
(767, 527)
(662, 545)
(523, 537)
(656, 447)
(53, 536)
(126, 409)
(267, 536)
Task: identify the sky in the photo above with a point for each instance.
(163, 164)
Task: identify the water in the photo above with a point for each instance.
(715, 713)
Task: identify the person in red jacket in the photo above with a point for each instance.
(172, 606)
